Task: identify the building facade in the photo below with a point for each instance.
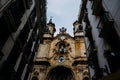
(100, 20)
(61, 57)
(20, 31)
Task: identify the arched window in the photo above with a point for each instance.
(60, 73)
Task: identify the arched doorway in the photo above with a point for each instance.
(60, 73)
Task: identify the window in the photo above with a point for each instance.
(32, 16)
(24, 33)
(17, 10)
(61, 59)
(4, 31)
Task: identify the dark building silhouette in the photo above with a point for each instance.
(100, 20)
(21, 27)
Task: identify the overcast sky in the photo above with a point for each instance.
(64, 13)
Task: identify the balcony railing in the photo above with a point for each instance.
(99, 74)
(17, 10)
(107, 22)
(92, 56)
(10, 22)
(82, 10)
(32, 16)
(28, 3)
(24, 33)
(84, 2)
(87, 31)
(28, 47)
(85, 18)
(97, 6)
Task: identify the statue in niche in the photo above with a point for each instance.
(62, 48)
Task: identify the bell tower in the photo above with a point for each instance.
(78, 29)
(50, 29)
(49, 32)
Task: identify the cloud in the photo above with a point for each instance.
(55, 7)
(58, 7)
(64, 13)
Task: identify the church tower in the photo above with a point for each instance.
(61, 57)
(78, 29)
(50, 30)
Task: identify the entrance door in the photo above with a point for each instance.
(60, 73)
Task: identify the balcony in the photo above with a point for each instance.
(113, 76)
(14, 54)
(24, 33)
(27, 49)
(85, 18)
(9, 21)
(107, 22)
(28, 3)
(87, 31)
(99, 73)
(112, 58)
(82, 10)
(32, 17)
(97, 6)
(92, 56)
(84, 2)
(17, 10)
(108, 32)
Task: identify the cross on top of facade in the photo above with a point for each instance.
(62, 29)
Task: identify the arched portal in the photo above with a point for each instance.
(60, 73)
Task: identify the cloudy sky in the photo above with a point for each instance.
(63, 13)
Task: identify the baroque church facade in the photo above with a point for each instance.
(61, 57)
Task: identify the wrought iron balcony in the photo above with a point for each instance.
(107, 24)
(97, 6)
(84, 2)
(87, 31)
(24, 33)
(92, 58)
(9, 21)
(85, 18)
(113, 76)
(17, 10)
(28, 3)
(82, 10)
(99, 73)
